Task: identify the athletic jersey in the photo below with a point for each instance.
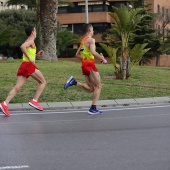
(88, 62)
(85, 52)
(31, 52)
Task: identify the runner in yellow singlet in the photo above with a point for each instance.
(26, 69)
(87, 53)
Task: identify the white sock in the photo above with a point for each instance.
(34, 100)
(5, 103)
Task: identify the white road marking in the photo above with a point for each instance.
(14, 167)
(99, 117)
(82, 110)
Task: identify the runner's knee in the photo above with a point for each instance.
(91, 89)
(43, 82)
(99, 86)
(17, 89)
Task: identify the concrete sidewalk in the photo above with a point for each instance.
(87, 104)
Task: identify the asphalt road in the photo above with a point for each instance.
(123, 138)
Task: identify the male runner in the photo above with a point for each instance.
(86, 53)
(26, 69)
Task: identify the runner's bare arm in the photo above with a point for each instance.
(93, 51)
(78, 55)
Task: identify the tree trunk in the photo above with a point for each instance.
(124, 66)
(48, 28)
(127, 68)
(124, 69)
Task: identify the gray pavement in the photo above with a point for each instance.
(123, 138)
(86, 104)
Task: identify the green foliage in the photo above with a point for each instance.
(145, 33)
(12, 34)
(137, 52)
(112, 53)
(135, 56)
(18, 18)
(126, 22)
(165, 46)
(65, 39)
(30, 3)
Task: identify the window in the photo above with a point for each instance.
(158, 8)
(97, 8)
(163, 11)
(77, 28)
(100, 27)
(62, 10)
(90, 9)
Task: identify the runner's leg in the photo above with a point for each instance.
(95, 81)
(38, 76)
(88, 87)
(19, 84)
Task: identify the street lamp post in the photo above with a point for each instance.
(86, 9)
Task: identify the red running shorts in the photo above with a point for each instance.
(26, 69)
(87, 67)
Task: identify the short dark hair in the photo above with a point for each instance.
(29, 30)
(85, 28)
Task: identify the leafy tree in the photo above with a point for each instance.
(135, 56)
(139, 3)
(126, 22)
(145, 32)
(65, 39)
(12, 33)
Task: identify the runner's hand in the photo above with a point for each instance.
(40, 53)
(104, 61)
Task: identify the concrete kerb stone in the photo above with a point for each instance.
(18, 106)
(59, 105)
(105, 103)
(162, 99)
(81, 104)
(87, 104)
(145, 100)
(126, 102)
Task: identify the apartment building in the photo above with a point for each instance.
(72, 18)
(162, 8)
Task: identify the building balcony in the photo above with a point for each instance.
(78, 18)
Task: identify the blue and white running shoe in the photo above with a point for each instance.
(70, 82)
(94, 112)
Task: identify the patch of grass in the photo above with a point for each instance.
(145, 82)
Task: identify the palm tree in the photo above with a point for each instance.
(125, 24)
(48, 28)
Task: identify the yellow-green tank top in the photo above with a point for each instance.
(31, 52)
(85, 52)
